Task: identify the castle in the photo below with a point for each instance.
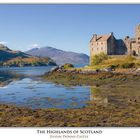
(112, 46)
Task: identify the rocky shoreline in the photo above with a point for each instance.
(97, 115)
(61, 69)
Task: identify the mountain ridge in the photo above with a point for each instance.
(59, 56)
(13, 58)
(7, 54)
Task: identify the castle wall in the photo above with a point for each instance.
(111, 46)
(98, 47)
(134, 48)
(120, 47)
(128, 45)
(137, 33)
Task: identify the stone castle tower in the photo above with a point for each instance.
(137, 33)
(109, 45)
(137, 36)
(133, 44)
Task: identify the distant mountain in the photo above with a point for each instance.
(7, 54)
(12, 58)
(60, 56)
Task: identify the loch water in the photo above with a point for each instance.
(24, 87)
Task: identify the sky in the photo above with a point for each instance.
(64, 26)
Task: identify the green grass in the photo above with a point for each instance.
(31, 61)
(97, 59)
(115, 62)
(68, 65)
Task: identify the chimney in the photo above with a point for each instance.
(94, 37)
(127, 37)
(111, 33)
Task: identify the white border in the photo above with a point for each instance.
(31, 133)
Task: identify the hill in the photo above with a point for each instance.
(7, 54)
(10, 58)
(60, 56)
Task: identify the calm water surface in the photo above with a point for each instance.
(23, 87)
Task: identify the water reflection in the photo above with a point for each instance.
(96, 95)
(28, 71)
(11, 74)
(31, 91)
(119, 95)
(6, 77)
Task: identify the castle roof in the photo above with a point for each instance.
(100, 38)
(103, 37)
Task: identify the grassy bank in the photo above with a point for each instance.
(101, 61)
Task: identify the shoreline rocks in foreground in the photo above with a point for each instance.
(77, 71)
(71, 69)
(73, 76)
(97, 115)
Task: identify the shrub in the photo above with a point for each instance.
(97, 59)
(128, 65)
(113, 67)
(68, 65)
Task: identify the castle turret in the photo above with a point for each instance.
(137, 35)
(94, 37)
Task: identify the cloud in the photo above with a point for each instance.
(34, 45)
(31, 46)
(3, 42)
